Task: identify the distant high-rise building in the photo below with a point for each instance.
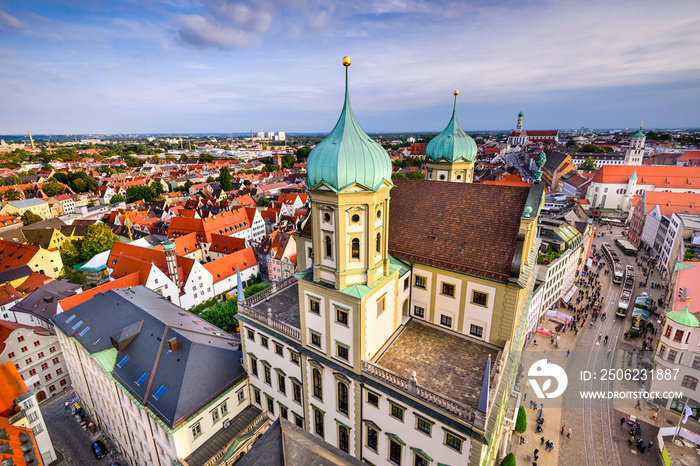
(261, 135)
(282, 136)
(270, 135)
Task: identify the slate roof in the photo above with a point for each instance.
(286, 444)
(141, 323)
(446, 362)
(430, 222)
(283, 304)
(43, 302)
(554, 160)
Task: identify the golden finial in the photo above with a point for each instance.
(456, 92)
(641, 126)
(346, 61)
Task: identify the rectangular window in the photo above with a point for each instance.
(344, 438)
(341, 316)
(689, 382)
(446, 320)
(316, 339)
(279, 349)
(381, 305)
(263, 341)
(423, 425)
(480, 298)
(373, 399)
(52, 349)
(298, 420)
(397, 412)
(281, 384)
(32, 372)
(48, 377)
(142, 378)
(453, 442)
(268, 374)
(696, 362)
(241, 396)
(395, 452)
(38, 342)
(160, 391)
(372, 438)
(251, 335)
(406, 283)
(667, 334)
(342, 352)
(24, 349)
(254, 366)
(672, 355)
(40, 355)
(318, 422)
(419, 311)
(55, 361)
(75, 327)
(215, 416)
(294, 357)
(44, 366)
(314, 306)
(296, 392)
(84, 331)
(421, 282)
(284, 413)
(20, 338)
(256, 395)
(476, 330)
(196, 430)
(63, 382)
(678, 336)
(28, 361)
(448, 290)
(10, 355)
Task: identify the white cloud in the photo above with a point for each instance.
(199, 31)
(9, 22)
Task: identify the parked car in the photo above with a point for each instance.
(99, 449)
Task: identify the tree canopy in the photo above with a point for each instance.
(302, 153)
(53, 188)
(398, 175)
(593, 149)
(117, 198)
(417, 175)
(225, 179)
(79, 182)
(521, 421)
(29, 217)
(137, 193)
(11, 195)
(98, 238)
(588, 164)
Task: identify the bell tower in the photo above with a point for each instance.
(519, 126)
(171, 262)
(349, 179)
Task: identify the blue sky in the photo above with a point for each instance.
(138, 66)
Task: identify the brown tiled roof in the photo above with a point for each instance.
(431, 221)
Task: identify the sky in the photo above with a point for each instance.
(230, 66)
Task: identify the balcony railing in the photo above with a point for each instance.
(440, 401)
(269, 320)
(257, 297)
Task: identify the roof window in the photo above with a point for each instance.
(68, 321)
(123, 361)
(80, 322)
(160, 391)
(85, 330)
(142, 379)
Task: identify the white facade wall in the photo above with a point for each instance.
(198, 288)
(558, 278)
(230, 283)
(30, 406)
(651, 226)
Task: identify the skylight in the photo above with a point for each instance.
(80, 322)
(121, 363)
(160, 391)
(142, 379)
(85, 330)
(68, 321)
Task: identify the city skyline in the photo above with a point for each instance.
(227, 67)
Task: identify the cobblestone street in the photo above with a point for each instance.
(69, 439)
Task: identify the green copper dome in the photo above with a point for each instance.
(638, 134)
(521, 113)
(684, 317)
(348, 155)
(452, 144)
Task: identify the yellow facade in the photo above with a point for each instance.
(41, 210)
(457, 172)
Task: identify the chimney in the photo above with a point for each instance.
(172, 343)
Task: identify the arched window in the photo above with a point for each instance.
(329, 247)
(379, 242)
(342, 398)
(355, 253)
(318, 384)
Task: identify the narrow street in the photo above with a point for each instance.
(597, 435)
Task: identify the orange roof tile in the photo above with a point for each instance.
(226, 266)
(661, 176)
(13, 255)
(226, 244)
(80, 298)
(13, 433)
(183, 244)
(8, 294)
(12, 387)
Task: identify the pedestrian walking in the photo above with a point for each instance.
(569, 435)
(563, 428)
(622, 420)
(568, 352)
(522, 440)
(637, 405)
(542, 441)
(651, 444)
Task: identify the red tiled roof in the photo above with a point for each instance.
(80, 298)
(8, 294)
(226, 266)
(13, 255)
(225, 223)
(481, 220)
(12, 387)
(226, 244)
(183, 244)
(246, 200)
(662, 176)
(126, 259)
(13, 433)
(32, 282)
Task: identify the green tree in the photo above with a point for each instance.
(509, 460)
(222, 315)
(225, 179)
(398, 175)
(521, 421)
(572, 143)
(72, 275)
(588, 164)
(592, 149)
(69, 254)
(287, 161)
(52, 188)
(29, 217)
(98, 238)
(11, 195)
(157, 188)
(302, 153)
(16, 180)
(136, 193)
(417, 175)
(183, 158)
(264, 202)
(117, 198)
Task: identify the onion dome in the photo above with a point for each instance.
(521, 113)
(348, 155)
(453, 144)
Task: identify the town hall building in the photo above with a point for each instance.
(399, 339)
